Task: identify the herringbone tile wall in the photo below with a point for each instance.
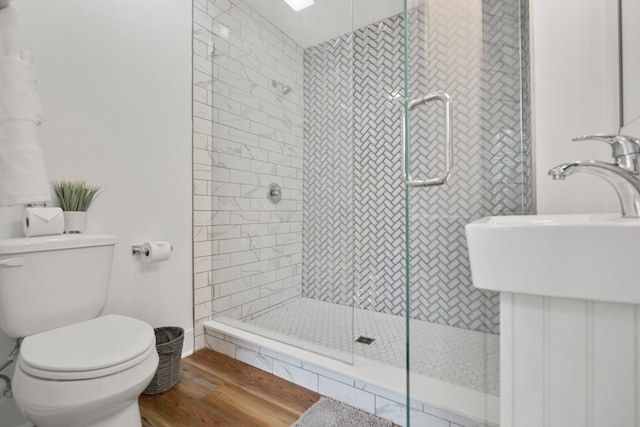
(353, 240)
(328, 190)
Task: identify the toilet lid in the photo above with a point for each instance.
(96, 347)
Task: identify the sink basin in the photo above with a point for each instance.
(593, 257)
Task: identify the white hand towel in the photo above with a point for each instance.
(23, 178)
(19, 99)
(9, 31)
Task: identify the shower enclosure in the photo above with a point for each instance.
(384, 126)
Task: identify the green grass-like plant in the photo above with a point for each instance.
(75, 195)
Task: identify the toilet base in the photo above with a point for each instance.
(110, 401)
(129, 417)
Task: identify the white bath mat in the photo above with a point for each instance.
(331, 413)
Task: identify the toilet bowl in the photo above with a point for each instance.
(87, 374)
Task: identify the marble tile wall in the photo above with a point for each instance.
(247, 135)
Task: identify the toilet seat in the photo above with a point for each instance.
(91, 349)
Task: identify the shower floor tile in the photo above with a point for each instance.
(458, 356)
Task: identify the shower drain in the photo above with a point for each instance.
(365, 340)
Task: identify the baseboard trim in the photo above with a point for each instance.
(188, 344)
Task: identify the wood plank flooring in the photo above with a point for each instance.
(216, 390)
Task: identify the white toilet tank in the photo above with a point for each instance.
(52, 281)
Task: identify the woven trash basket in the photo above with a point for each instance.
(169, 345)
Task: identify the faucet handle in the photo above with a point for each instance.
(621, 145)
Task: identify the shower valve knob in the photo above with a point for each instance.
(274, 193)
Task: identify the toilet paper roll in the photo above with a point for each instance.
(156, 251)
(42, 221)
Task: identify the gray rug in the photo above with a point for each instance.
(331, 413)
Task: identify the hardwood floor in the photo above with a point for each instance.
(216, 390)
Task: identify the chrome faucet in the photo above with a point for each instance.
(623, 175)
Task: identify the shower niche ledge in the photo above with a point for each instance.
(586, 257)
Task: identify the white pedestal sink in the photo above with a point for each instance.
(593, 257)
(569, 316)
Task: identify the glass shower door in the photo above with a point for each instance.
(277, 90)
(465, 156)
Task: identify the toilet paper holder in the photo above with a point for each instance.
(138, 250)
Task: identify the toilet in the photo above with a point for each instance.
(75, 368)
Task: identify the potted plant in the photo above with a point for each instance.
(75, 198)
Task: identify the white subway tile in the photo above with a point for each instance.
(279, 297)
(226, 274)
(271, 288)
(242, 177)
(220, 261)
(200, 187)
(264, 167)
(246, 217)
(250, 230)
(253, 191)
(262, 130)
(267, 180)
(285, 239)
(234, 162)
(225, 189)
(262, 278)
(202, 218)
(255, 268)
(201, 203)
(349, 395)
(245, 257)
(244, 297)
(255, 359)
(220, 304)
(200, 233)
(235, 245)
(202, 295)
(200, 280)
(262, 204)
(293, 183)
(220, 174)
(203, 157)
(221, 346)
(201, 249)
(256, 153)
(202, 311)
(235, 121)
(218, 232)
(296, 375)
(271, 145)
(234, 204)
(220, 218)
(276, 263)
(272, 252)
(254, 307)
(234, 286)
(287, 205)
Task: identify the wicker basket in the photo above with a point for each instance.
(169, 345)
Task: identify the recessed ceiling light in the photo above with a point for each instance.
(298, 5)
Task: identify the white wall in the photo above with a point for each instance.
(115, 80)
(575, 86)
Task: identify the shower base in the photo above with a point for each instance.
(454, 372)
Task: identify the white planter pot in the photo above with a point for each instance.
(75, 222)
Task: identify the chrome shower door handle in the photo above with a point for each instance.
(443, 97)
